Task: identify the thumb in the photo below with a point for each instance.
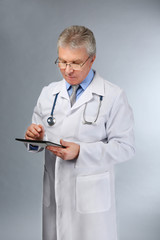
(41, 127)
(63, 143)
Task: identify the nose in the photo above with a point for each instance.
(68, 69)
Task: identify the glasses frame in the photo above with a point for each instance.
(70, 64)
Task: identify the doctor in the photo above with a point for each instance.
(95, 125)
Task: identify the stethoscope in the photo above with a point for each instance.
(99, 106)
(51, 120)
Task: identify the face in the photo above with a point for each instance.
(78, 56)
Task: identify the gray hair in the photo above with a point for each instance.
(76, 37)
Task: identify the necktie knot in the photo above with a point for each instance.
(73, 95)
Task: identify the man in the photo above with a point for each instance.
(96, 131)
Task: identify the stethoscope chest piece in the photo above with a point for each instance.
(51, 121)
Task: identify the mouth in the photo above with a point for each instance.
(70, 77)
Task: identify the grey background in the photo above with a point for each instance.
(128, 54)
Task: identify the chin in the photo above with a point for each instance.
(72, 80)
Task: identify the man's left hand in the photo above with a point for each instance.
(70, 152)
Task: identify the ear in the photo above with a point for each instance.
(93, 59)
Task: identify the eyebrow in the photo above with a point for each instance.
(76, 60)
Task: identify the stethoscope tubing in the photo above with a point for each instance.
(54, 104)
(88, 122)
(51, 120)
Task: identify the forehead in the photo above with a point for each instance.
(72, 54)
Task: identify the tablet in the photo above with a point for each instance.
(39, 143)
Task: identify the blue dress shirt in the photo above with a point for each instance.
(83, 85)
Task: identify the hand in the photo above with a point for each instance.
(34, 132)
(70, 152)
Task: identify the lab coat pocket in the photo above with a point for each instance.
(93, 193)
(46, 189)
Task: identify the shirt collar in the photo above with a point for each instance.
(84, 84)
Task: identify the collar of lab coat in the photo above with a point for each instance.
(95, 87)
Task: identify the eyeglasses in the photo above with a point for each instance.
(73, 66)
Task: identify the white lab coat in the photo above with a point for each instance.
(78, 195)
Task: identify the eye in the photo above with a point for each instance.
(61, 60)
(76, 62)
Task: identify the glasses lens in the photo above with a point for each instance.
(62, 65)
(71, 65)
(75, 66)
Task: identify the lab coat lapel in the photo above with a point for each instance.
(85, 97)
(96, 87)
(61, 89)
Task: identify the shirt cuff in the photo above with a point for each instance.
(33, 148)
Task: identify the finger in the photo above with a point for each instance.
(56, 150)
(59, 154)
(32, 133)
(36, 130)
(64, 143)
(30, 138)
(28, 134)
(40, 128)
(53, 149)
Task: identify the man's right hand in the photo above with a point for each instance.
(34, 132)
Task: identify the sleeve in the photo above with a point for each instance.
(119, 143)
(37, 119)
